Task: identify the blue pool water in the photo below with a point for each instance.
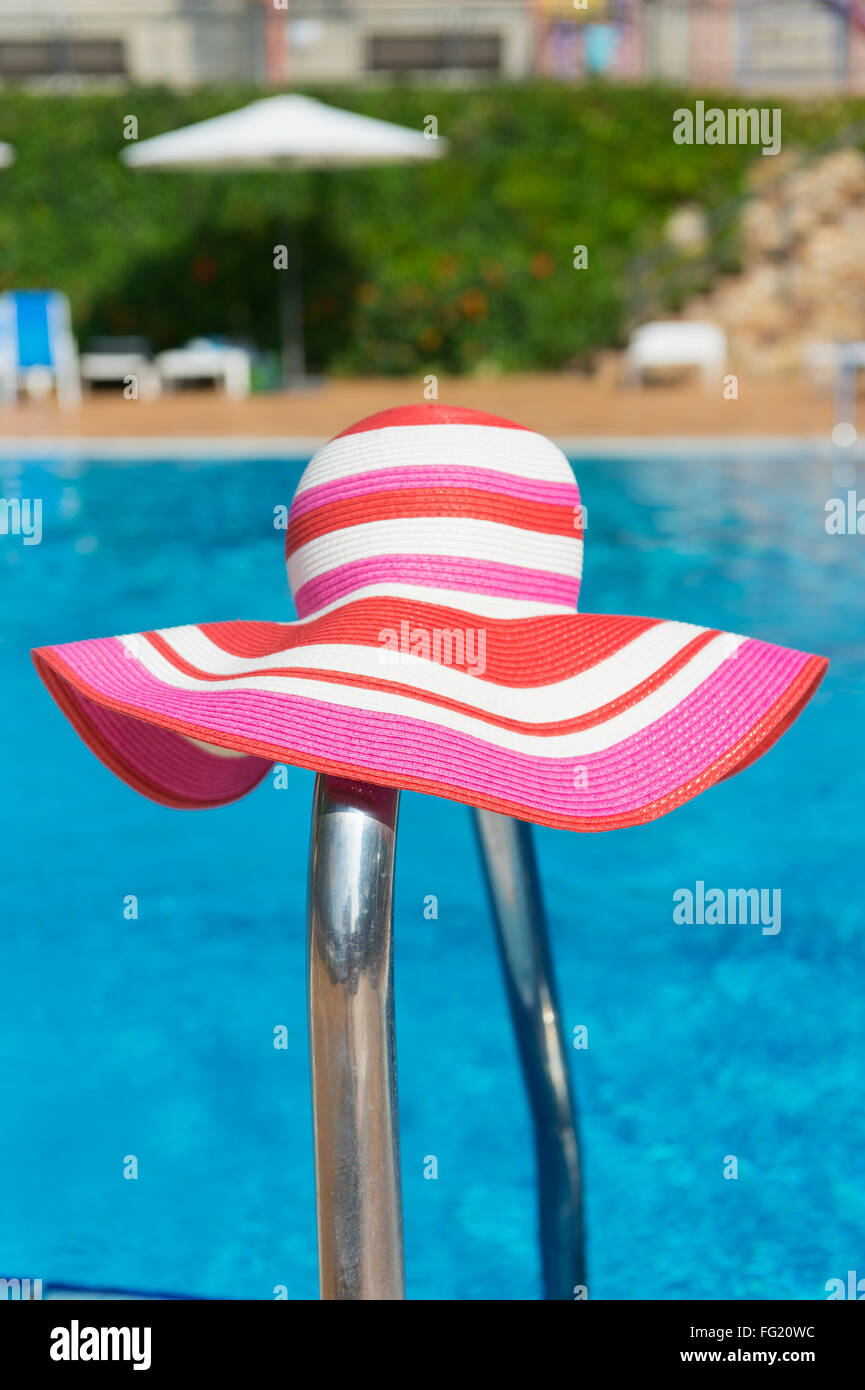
(153, 1037)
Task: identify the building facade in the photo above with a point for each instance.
(796, 46)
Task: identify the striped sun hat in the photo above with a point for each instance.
(434, 556)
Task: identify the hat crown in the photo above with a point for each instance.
(441, 504)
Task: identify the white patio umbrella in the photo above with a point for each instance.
(285, 132)
(7, 155)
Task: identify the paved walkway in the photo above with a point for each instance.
(565, 406)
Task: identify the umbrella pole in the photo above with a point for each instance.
(291, 312)
(351, 1033)
(515, 897)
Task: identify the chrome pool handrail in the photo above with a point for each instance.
(352, 1049)
(514, 890)
(351, 1033)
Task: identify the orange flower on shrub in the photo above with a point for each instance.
(474, 304)
(430, 338)
(204, 269)
(542, 265)
(324, 307)
(493, 272)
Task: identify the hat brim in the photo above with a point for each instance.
(582, 721)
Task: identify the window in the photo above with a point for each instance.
(433, 52)
(47, 58)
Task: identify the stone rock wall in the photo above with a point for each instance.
(803, 277)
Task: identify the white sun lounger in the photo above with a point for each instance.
(206, 361)
(122, 361)
(676, 344)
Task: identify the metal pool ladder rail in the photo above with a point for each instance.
(353, 1057)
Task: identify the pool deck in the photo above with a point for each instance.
(570, 407)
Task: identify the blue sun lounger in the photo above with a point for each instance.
(36, 338)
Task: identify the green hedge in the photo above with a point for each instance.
(461, 265)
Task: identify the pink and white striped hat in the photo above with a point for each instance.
(434, 555)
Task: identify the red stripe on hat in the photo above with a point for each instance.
(351, 678)
(551, 519)
(519, 651)
(428, 413)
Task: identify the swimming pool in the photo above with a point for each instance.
(153, 1036)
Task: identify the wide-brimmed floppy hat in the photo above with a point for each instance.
(434, 555)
